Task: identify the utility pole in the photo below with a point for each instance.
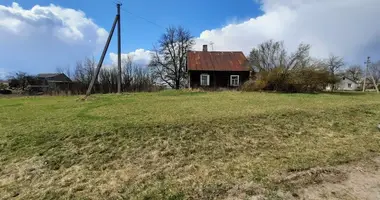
(117, 20)
(119, 49)
(370, 73)
(365, 74)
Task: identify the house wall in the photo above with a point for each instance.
(343, 85)
(218, 79)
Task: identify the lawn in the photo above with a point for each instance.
(177, 144)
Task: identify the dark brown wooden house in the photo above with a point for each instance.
(50, 82)
(217, 69)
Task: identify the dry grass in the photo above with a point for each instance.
(178, 145)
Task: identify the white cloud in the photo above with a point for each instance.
(45, 37)
(140, 57)
(347, 28)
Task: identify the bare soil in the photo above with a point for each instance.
(362, 182)
(354, 181)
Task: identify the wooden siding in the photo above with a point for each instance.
(218, 79)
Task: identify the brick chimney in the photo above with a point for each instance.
(205, 48)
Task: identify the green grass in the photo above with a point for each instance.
(177, 144)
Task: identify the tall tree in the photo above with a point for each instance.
(84, 70)
(272, 54)
(354, 72)
(334, 64)
(168, 62)
(19, 80)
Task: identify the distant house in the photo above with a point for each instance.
(49, 82)
(217, 69)
(345, 84)
(54, 78)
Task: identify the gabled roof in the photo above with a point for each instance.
(54, 77)
(48, 75)
(345, 77)
(217, 61)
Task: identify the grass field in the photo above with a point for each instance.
(178, 145)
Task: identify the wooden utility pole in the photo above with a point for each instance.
(370, 73)
(119, 49)
(95, 77)
(365, 74)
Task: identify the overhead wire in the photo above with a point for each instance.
(143, 18)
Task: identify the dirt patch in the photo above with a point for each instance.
(362, 182)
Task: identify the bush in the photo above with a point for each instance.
(3, 86)
(298, 80)
(5, 91)
(254, 85)
(310, 80)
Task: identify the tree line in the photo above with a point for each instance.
(277, 69)
(274, 67)
(135, 78)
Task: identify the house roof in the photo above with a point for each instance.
(345, 77)
(54, 77)
(48, 75)
(217, 61)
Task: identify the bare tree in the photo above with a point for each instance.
(64, 70)
(79, 74)
(127, 76)
(169, 59)
(19, 80)
(375, 70)
(334, 64)
(84, 70)
(354, 72)
(272, 54)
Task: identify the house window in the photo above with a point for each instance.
(349, 85)
(234, 80)
(205, 80)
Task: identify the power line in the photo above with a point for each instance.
(143, 18)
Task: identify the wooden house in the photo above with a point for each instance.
(217, 69)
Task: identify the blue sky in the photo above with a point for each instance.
(38, 37)
(195, 15)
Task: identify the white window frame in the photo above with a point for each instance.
(208, 80)
(349, 85)
(238, 80)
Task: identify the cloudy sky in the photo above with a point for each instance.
(39, 36)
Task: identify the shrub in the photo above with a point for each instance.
(3, 86)
(254, 85)
(306, 79)
(5, 91)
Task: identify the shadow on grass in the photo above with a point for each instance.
(180, 93)
(350, 93)
(337, 93)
